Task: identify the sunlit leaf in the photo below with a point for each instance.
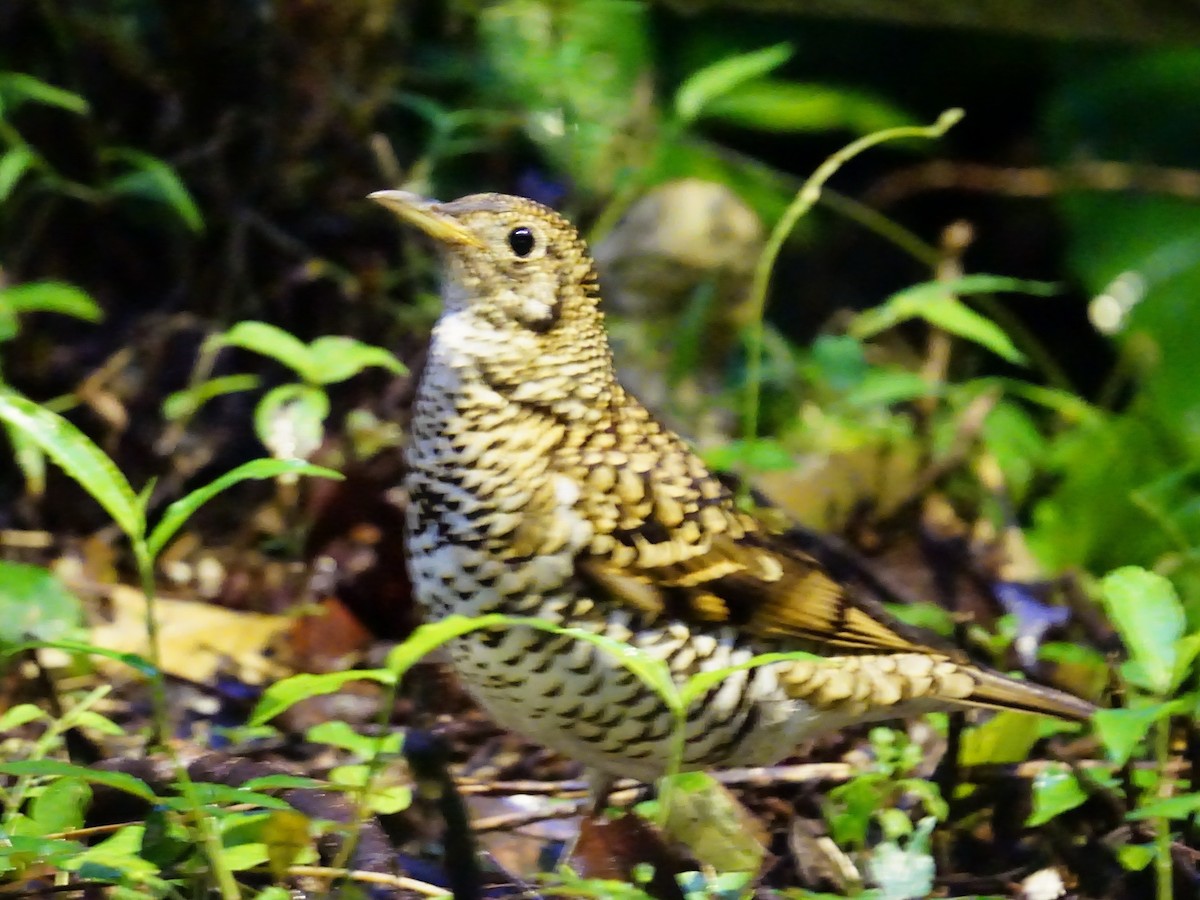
(17, 87)
(270, 340)
(61, 805)
(53, 768)
(1055, 791)
(34, 604)
(1147, 614)
(1121, 730)
(286, 834)
(14, 163)
(1006, 737)
(1170, 808)
(336, 358)
(710, 821)
(74, 452)
(183, 404)
(286, 693)
(51, 296)
(290, 420)
(21, 714)
(787, 106)
(702, 87)
(182, 509)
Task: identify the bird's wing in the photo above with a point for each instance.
(670, 541)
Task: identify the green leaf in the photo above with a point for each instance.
(14, 163)
(572, 73)
(1055, 791)
(704, 86)
(286, 693)
(184, 404)
(51, 296)
(290, 420)
(282, 782)
(1006, 737)
(1147, 614)
(1171, 808)
(17, 87)
(181, 510)
(271, 340)
(336, 358)
(339, 734)
(1121, 730)
(34, 604)
(208, 793)
(706, 818)
(132, 660)
(154, 180)
(787, 106)
(760, 455)
(21, 714)
(1135, 857)
(81, 459)
(61, 805)
(53, 768)
(935, 303)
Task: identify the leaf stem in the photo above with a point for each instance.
(804, 200)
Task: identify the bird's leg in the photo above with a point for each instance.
(600, 785)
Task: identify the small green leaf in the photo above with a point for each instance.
(53, 768)
(13, 165)
(760, 455)
(138, 663)
(21, 714)
(290, 420)
(1121, 730)
(35, 605)
(154, 180)
(17, 87)
(702, 87)
(1006, 737)
(706, 818)
(339, 734)
(270, 340)
(937, 303)
(336, 358)
(51, 296)
(282, 782)
(181, 510)
(286, 693)
(61, 805)
(184, 404)
(1171, 808)
(773, 105)
(1135, 857)
(208, 793)
(1055, 791)
(81, 459)
(1147, 614)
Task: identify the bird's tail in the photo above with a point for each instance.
(873, 684)
(1001, 692)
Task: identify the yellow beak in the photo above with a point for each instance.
(425, 215)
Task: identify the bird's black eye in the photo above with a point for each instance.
(521, 241)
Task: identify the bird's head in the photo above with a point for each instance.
(512, 262)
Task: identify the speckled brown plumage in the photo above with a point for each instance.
(538, 487)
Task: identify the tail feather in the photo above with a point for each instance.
(874, 684)
(1001, 692)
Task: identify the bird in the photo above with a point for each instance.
(537, 487)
